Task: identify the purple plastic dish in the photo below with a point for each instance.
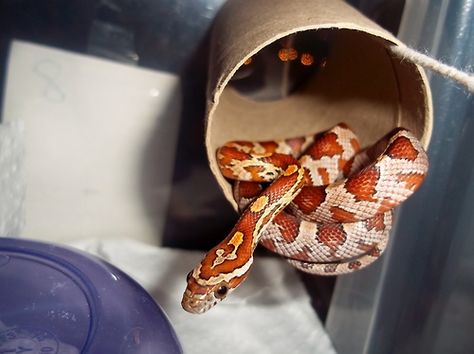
(58, 300)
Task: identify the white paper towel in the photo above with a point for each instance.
(269, 313)
(12, 185)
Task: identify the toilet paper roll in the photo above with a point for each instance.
(363, 84)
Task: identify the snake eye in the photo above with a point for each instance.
(189, 275)
(221, 291)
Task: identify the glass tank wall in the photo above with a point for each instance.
(420, 297)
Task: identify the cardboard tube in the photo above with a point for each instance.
(362, 85)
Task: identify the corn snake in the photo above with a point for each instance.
(328, 209)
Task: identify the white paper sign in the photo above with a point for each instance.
(100, 143)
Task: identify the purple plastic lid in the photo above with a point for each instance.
(58, 300)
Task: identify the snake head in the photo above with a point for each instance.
(221, 270)
(200, 297)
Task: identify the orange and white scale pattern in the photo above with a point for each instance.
(328, 210)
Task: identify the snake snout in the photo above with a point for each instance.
(197, 304)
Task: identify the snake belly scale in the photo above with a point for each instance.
(319, 201)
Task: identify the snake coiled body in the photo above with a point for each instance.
(327, 209)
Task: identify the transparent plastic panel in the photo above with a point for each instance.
(419, 299)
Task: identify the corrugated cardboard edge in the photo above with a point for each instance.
(234, 24)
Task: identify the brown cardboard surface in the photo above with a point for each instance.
(362, 84)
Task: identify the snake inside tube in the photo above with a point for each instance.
(320, 201)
